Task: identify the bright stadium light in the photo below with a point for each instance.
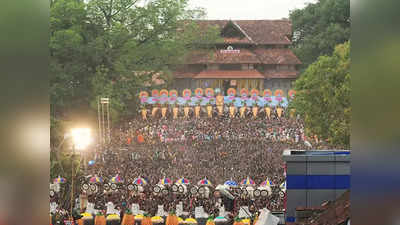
(81, 137)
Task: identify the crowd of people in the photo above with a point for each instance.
(219, 149)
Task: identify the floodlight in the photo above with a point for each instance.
(81, 137)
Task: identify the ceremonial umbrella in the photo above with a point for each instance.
(204, 182)
(182, 181)
(230, 183)
(117, 179)
(165, 181)
(95, 179)
(59, 180)
(247, 181)
(140, 181)
(267, 182)
(191, 221)
(283, 186)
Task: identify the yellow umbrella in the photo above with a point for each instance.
(157, 219)
(86, 216)
(246, 221)
(191, 221)
(113, 217)
(139, 217)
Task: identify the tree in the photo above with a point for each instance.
(319, 27)
(114, 48)
(323, 97)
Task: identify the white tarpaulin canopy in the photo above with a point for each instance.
(266, 218)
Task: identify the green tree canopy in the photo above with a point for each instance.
(323, 97)
(319, 27)
(113, 48)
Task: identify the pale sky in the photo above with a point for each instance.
(248, 9)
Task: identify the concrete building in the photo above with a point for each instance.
(314, 177)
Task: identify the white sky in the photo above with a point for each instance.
(248, 9)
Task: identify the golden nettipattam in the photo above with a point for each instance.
(209, 111)
(154, 111)
(197, 111)
(255, 111)
(242, 111)
(268, 112)
(279, 111)
(232, 111)
(175, 112)
(163, 112)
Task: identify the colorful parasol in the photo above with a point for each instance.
(165, 181)
(59, 180)
(191, 221)
(182, 181)
(247, 181)
(139, 217)
(267, 182)
(246, 221)
(140, 181)
(204, 182)
(113, 217)
(231, 183)
(283, 186)
(117, 179)
(157, 219)
(96, 179)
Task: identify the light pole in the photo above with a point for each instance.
(81, 138)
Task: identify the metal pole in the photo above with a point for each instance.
(108, 121)
(98, 118)
(102, 123)
(72, 180)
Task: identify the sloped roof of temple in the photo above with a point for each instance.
(254, 31)
(229, 74)
(256, 42)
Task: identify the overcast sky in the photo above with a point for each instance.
(248, 9)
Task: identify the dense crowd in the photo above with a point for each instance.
(219, 149)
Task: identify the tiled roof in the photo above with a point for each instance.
(184, 74)
(281, 74)
(260, 31)
(236, 40)
(229, 74)
(332, 213)
(277, 56)
(216, 56)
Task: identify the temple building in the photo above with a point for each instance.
(251, 54)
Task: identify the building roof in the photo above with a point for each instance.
(281, 74)
(217, 56)
(184, 74)
(330, 213)
(232, 74)
(277, 56)
(282, 56)
(257, 31)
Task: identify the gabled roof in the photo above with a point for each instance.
(282, 56)
(281, 74)
(258, 56)
(257, 31)
(216, 56)
(232, 74)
